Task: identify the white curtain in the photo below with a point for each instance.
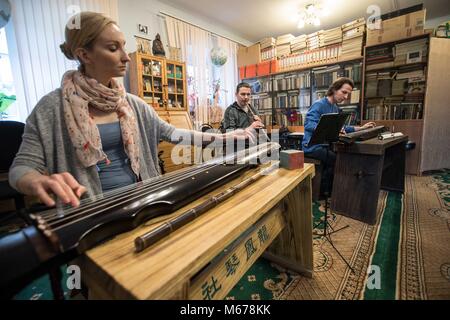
(228, 74)
(196, 44)
(38, 63)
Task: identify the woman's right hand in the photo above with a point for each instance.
(63, 185)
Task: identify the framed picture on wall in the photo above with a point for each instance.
(143, 45)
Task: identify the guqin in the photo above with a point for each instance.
(59, 235)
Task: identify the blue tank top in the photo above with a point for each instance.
(118, 173)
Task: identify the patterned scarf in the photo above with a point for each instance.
(79, 93)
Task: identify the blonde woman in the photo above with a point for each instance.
(90, 136)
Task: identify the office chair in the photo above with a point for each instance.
(12, 132)
(205, 127)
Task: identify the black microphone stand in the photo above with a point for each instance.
(327, 132)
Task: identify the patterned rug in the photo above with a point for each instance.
(331, 278)
(405, 255)
(424, 269)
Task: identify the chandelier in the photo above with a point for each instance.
(311, 15)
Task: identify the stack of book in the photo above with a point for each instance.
(325, 76)
(312, 40)
(266, 117)
(281, 100)
(298, 44)
(284, 45)
(353, 38)
(371, 85)
(384, 84)
(305, 80)
(305, 98)
(293, 100)
(408, 73)
(353, 71)
(399, 87)
(319, 94)
(331, 36)
(262, 101)
(353, 112)
(355, 96)
(268, 48)
(375, 109)
(411, 52)
(379, 58)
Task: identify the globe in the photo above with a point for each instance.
(5, 12)
(218, 56)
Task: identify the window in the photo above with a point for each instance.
(8, 106)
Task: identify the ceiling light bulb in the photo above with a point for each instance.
(317, 22)
(301, 23)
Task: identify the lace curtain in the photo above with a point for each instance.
(204, 79)
(38, 30)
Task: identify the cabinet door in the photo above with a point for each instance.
(176, 94)
(152, 71)
(413, 129)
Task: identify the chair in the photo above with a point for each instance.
(12, 132)
(294, 141)
(206, 127)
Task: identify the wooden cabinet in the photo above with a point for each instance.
(176, 85)
(436, 130)
(413, 129)
(160, 82)
(405, 89)
(179, 119)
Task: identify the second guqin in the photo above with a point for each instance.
(362, 135)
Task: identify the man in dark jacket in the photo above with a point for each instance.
(240, 114)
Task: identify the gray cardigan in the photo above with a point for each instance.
(46, 145)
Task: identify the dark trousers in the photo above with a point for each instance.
(327, 167)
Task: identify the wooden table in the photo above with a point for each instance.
(362, 169)
(207, 257)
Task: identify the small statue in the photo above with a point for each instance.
(158, 49)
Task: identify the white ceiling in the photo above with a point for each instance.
(254, 20)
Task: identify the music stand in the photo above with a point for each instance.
(327, 132)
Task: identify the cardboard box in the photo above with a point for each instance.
(249, 55)
(241, 73)
(267, 67)
(400, 27)
(250, 71)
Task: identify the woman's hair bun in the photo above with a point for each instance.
(66, 52)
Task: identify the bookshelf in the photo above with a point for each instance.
(400, 85)
(324, 76)
(283, 98)
(395, 79)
